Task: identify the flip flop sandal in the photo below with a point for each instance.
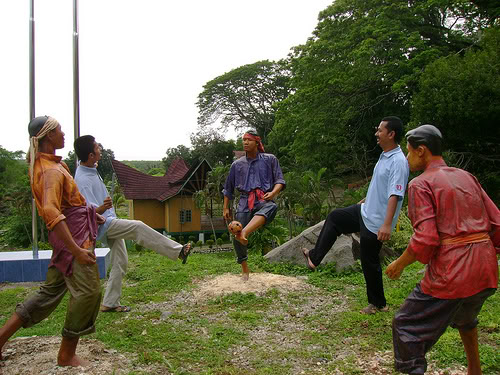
(116, 309)
(309, 263)
(183, 254)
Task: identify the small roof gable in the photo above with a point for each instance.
(139, 185)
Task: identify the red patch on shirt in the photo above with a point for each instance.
(399, 187)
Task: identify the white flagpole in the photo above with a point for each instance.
(76, 73)
(34, 218)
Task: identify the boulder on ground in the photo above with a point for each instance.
(291, 252)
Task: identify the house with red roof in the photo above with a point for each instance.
(164, 202)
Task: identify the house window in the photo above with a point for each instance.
(185, 216)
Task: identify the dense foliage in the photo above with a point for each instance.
(105, 167)
(206, 144)
(245, 97)
(364, 62)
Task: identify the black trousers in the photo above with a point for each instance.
(346, 221)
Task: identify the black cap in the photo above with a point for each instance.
(424, 134)
(36, 125)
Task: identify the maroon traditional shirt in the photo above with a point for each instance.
(449, 205)
(57, 198)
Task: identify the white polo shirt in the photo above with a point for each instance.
(390, 177)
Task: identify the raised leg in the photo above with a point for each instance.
(254, 224)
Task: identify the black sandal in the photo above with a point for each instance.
(183, 254)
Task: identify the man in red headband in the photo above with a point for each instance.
(258, 177)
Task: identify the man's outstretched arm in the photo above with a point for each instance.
(395, 269)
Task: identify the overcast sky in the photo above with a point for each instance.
(142, 63)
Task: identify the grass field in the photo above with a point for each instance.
(315, 330)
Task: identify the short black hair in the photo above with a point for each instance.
(84, 145)
(394, 124)
(426, 135)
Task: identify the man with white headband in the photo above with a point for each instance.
(72, 233)
(259, 179)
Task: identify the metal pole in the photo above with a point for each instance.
(34, 216)
(76, 73)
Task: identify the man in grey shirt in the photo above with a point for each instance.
(114, 231)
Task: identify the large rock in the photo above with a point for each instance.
(291, 251)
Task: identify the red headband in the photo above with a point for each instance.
(255, 138)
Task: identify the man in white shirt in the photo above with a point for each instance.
(114, 231)
(374, 217)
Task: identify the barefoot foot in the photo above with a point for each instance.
(241, 239)
(245, 276)
(74, 361)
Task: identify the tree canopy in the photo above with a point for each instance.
(245, 97)
(206, 144)
(363, 62)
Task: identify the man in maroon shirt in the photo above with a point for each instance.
(457, 234)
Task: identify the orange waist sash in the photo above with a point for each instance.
(466, 238)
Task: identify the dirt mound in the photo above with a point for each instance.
(258, 283)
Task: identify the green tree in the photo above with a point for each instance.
(156, 171)
(12, 169)
(363, 63)
(212, 192)
(460, 94)
(179, 152)
(245, 97)
(15, 200)
(210, 145)
(105, 166)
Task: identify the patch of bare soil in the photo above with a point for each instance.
(38, 355)
(258, 283)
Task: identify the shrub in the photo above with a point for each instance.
(225, 237)
(192, 238)
(210, 243)
(199, 243)
(219, 241)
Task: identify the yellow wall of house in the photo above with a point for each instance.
(173, 206)
(151, 212)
